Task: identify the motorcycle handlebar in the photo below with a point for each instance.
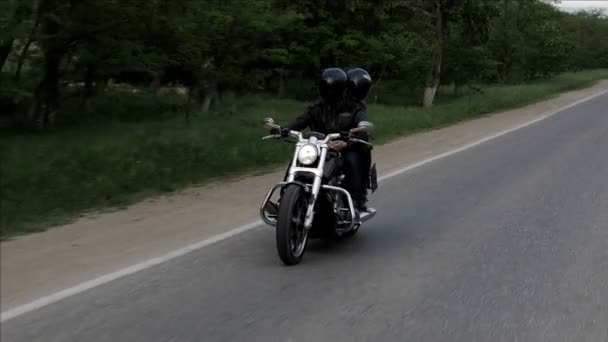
(327, 139)
(269, 123)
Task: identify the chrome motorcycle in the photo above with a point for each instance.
(311, 202)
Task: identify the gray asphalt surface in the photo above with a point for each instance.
(507, 241)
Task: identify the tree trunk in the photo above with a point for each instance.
(281, 83)
(89, 87)
(26, 48)
(5, 50)
(54, 47)
(206, 103)
(101, 85)
(189, 98)
(378, 82)
(156, 83)
(220, 94)
(15, 19)
(46, 97)
(429, 96)
(210, 94)
(207, 100)
(434, 74)
(22, 56)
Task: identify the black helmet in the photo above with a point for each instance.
(359, 82)
(332, 84)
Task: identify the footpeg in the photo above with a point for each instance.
(367, 215)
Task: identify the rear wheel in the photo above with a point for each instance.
(292, 237)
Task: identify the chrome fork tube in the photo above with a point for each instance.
(294, 163)
(316, 187)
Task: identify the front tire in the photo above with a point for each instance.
(291, 235)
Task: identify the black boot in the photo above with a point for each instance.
(361, 204)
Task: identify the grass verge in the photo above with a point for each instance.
(51, 178)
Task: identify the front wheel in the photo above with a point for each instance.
(292, 236)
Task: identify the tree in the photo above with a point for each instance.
(215, 47)
(436, 15)
(14, 15)
(468, 58)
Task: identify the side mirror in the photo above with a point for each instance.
(269, 123)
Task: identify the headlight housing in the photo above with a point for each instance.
(308, 154)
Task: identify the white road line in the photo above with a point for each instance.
(57, 296)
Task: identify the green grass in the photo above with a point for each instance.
(51, 178)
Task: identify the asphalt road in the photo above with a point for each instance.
(507, 241)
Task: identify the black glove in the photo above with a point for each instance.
(283, 131)
(363, 136)
(345, 135)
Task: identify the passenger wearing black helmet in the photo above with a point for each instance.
(358, 84)
(359, 156)
(339, 108)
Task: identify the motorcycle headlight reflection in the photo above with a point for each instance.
(308, 154)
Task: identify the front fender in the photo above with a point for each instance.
(304, 186)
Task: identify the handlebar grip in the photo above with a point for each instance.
(273, 126)
(361, 142)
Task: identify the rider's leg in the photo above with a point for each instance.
(357, 162)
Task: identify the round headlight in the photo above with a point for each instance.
(308, 154)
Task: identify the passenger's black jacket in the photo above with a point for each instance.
(325, 118)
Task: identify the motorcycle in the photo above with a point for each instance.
(312, 202)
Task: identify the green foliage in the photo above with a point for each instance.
(214, 46)
(587, 42)
(527, 40)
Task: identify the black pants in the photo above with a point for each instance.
(356, 163)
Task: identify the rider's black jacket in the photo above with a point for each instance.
(328, 118)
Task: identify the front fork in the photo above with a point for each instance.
(316, 186)
(314, 194)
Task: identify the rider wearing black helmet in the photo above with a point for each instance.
(339, 108)
(322, 116)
